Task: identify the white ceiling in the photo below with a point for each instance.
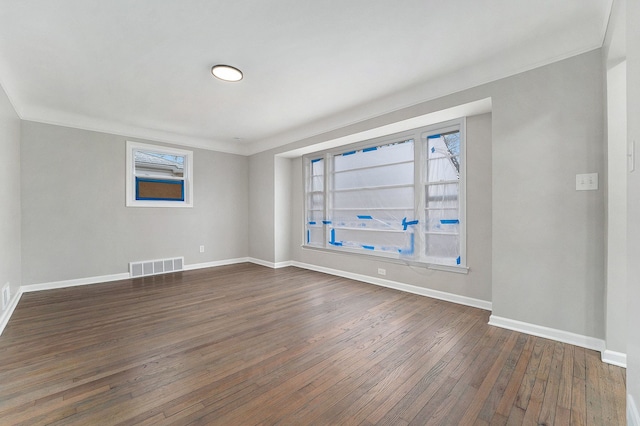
(141, 68)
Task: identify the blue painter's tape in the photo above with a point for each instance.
(449, 221)
(412, 246)
(326, 222)
(434, 137)
(406, 223)
(368, 247)
(433, 149)
(312, 223)
(308, 236)
(348, 153)
(364, 217)
(339, 243)
(179, 183)
(373, 148)
(458, 260)
(332, 239)
(316, 160)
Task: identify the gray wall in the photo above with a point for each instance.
(633, 199)
(261, 207)
(537, 249)
(75, 223)
(548, 238)
(10, 271)
(283, 210)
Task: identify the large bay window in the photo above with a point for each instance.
(400, 196)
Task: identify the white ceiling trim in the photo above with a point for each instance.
(98, 125)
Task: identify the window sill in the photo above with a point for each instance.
(458, 269)
(172, 204)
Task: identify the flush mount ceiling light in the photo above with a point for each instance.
(226, 73)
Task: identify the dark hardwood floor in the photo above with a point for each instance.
(247, 345)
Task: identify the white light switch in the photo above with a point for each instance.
(587, 182)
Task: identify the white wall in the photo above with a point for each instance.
(10, 240)
(633, 209)
(75, 223)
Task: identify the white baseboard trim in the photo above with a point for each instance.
(268, 264)
(633, 417)
(121, 276)
(215, 263)
(75, 282)
(4, 319)
(435, 294)
(548, 333)
(262, 262)
(614, 358)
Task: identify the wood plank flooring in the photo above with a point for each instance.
(247, 345)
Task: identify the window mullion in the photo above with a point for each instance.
(419, 175)
(328, 198)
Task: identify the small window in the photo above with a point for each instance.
(159, 176)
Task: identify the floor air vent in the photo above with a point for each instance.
(154, 267)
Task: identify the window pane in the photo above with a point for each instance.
(156, 164)
(443, 157)
(316, 175)
(369, 239)
(382, 219)
(395, 174)
(442, 221)
(374, 156)
(442, 196)
(372, 199)
(315, 201)
(314, 226)
(315, 235)
(442, 247)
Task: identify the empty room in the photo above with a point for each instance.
(328, 213)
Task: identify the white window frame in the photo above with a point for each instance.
(130, 175)
(419, 137)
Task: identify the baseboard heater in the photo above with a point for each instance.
(155, 267)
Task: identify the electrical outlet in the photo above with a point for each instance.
(587, 182)
(382, 271)
(201, 249)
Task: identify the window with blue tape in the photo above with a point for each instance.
(396, 196)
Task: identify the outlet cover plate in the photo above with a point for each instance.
(586, 182)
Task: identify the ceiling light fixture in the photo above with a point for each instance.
(226, 73)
